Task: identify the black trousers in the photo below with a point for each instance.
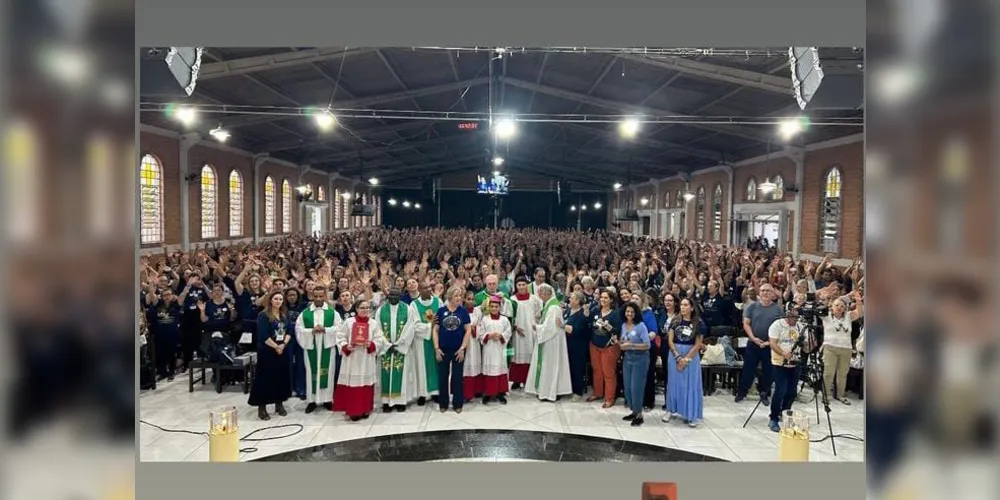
(579, 353)
(450, 368)
(190, 340)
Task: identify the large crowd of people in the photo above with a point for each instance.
(383, 319)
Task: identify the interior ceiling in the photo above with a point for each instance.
(403, 79)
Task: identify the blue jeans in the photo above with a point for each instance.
(634, 369)
(786, 379)
(450, 367)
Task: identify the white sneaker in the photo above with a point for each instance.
(692, 424)
(667, 418)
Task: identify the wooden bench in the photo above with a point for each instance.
(246, 372)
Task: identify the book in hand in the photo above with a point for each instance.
(360, 335)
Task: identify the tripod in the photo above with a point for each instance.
(813, 371)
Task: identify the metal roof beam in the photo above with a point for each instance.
(288, 59)
(746, 78)
(732, 130)
(365, 102)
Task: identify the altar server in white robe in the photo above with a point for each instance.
(397, 322)
(549, 375)
(362, 343)
(423, 382)
(316, 331)
(472, 376)
(494, 332)
(527, 308)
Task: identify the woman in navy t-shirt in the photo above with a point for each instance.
(452, 329)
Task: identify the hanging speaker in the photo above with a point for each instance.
(817, 86)
(169, 71)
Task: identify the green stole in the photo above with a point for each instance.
(484, 296)
(392, 361)
(319, 359)
(430, 355)
(553, 302)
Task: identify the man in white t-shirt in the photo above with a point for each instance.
(783, 336)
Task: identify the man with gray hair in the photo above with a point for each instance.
(549, 374)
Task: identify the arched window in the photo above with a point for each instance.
(699, 208)
(779, 189)
(150, 200)
(270, 208)
(751, 194)
(309, 189)
(235, 203)
(717, 213)
(337, 217)
(209, 203)
(320, 194)
(678, 199)
(365, 221)
(666, 199)
(831, 210)
(286, 207)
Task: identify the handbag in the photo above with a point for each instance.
(858, 361)
(714, 355)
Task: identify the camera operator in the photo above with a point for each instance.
(837, 346)
(784, 337)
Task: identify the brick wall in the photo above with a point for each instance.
(223, 163)
(759, 172)
(849, 159)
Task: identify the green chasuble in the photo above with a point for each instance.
(430, 355)
(392, 361)
(553, 302)
(319, 358)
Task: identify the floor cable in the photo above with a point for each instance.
(298, 429)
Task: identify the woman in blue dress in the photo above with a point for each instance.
(647, 303)
(665, 314)
(272, 383)
(577, 327)
(684, 390)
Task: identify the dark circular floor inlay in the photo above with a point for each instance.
(486, 444)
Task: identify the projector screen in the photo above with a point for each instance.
(496, 185)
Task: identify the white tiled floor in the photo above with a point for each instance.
(721, 434)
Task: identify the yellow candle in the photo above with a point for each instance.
(793, 445)
(224, 446)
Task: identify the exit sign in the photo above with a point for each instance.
(468, 126)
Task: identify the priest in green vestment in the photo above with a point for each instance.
(316, 331)
(397, 324)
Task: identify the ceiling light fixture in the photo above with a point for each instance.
(791, 127)
(346, 196)
(688, 196)
(416, 206)
(644, 201)
(572, 208)
(186, 115)
(505, 128)
(220, 134)
(497, 161)
(597, 206)
(767, 187)
(325, 119)
(406, 204)
(373, 181)
(628, 128)
(392, 201)
(617, 186)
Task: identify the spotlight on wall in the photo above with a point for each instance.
(324, 119)
(220, 134)
(644, 201)
(392, 202)
(373, 181)
(628, 128)
(406, 204)
(505, 128)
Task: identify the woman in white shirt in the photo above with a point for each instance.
(837, 345)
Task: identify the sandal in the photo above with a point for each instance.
(845, 401)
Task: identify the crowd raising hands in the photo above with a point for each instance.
(188, 296)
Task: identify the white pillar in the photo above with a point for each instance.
(797, 155)
(187, 141)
